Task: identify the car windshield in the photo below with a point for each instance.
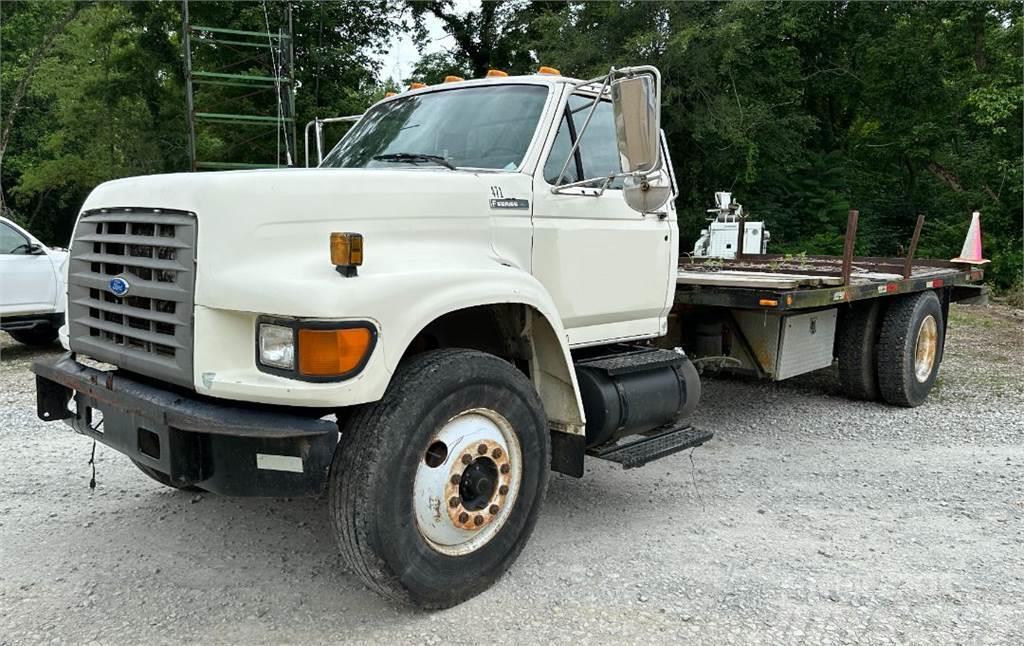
(475, 127)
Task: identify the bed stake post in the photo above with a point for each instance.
(741, 232)
(907, 263)
(848, 243)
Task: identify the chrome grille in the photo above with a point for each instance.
(148, 328)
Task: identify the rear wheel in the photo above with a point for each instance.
(435, 489)
(39, 335)
(856, 346)
(910, 348)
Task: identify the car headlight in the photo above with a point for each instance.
(277, 346)
(314, 350)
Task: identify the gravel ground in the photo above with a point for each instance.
(809, 519)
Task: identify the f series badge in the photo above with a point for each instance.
(510, 203)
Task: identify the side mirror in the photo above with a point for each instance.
(35, 249)
(636, 104)
(647, 194)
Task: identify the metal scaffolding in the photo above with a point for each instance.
(247, 49)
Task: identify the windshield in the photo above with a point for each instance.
(477, 127)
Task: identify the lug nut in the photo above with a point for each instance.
(503, 490)
(493, 509)
(466, 459)
(478, 521)
(456, 478)
(505, 468)
(481, 449)
(497, 453)
(454, 501)
(463, 517)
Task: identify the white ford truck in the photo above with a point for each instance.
(462, 297)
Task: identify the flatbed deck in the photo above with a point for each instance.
(781, 283)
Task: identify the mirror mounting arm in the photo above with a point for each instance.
(579, 135)
(605, 181)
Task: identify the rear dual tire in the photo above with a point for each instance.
(910, 349)
(891, 352)
(435, 488)
(855, 349)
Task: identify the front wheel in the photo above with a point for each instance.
(435, 489)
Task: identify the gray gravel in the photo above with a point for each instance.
(809, 519)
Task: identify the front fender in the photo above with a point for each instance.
(552, 367)
(400, 303)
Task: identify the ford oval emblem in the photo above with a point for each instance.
(118, 286)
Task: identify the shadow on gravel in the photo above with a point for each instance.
(819, 382)
(14, 351)
(279, 547)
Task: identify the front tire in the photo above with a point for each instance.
(435, 489)
(910, 348)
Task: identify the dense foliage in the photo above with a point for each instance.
(803, 109)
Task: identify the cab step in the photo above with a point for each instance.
(649, 448)
(625, 359)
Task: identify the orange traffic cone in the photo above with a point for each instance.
(971, 253)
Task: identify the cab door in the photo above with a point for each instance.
(604, 264)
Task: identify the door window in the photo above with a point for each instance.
(597, 155)
(12, 242)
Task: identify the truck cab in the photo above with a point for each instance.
(456, 300)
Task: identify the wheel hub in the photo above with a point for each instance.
(467, 481)
(478, 482)
(926, 349)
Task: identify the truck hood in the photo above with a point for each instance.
(258, 196)
(268, 231)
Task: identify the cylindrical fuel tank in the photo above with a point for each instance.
(635, 402)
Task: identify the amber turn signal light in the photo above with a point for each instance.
(346, 252)
(451, 78)
(416, 85)
(333, 353)
(544, 69)
(496, 74)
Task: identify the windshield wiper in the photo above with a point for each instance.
(415, 157)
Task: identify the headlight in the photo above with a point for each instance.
(313, 350)
(277, 346)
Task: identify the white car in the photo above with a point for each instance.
(33, 291)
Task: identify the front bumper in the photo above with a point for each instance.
(239, 450)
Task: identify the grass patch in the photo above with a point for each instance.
(967, 316)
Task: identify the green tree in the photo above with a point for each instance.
(95, 91)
